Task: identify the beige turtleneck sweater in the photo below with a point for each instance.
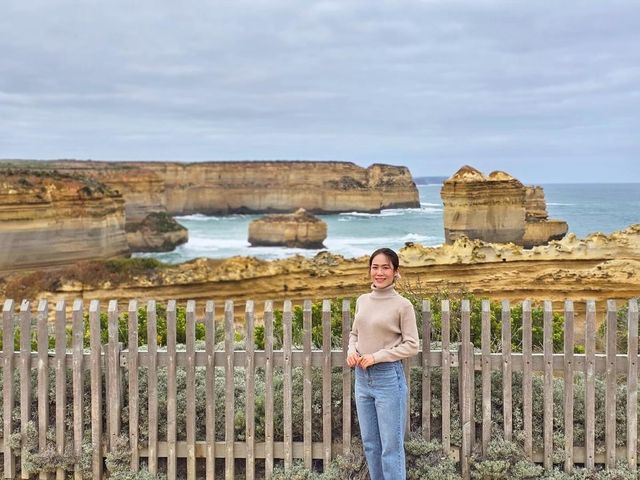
(384, 325)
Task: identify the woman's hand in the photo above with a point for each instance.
(353, 359)
(366, 361)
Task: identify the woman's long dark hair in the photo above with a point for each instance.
(390, 254)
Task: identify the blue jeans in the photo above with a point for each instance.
(381, 396)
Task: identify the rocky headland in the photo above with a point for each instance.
(50, 218)
(158, 232)
(299, 229)
(496, 208)
(243, 187)
(598, 267)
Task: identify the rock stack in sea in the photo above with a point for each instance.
(300, 229)
(496, 208)
(158, 232)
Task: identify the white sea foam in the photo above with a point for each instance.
(560, 204)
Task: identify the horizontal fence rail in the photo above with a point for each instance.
(195, 389)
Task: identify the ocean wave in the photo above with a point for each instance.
(554, 204)
(207, 243)
(198, 217)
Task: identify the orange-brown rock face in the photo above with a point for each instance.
(158, 232)
(299, 229)
(270, 186)
(50, 219)
(496, 208)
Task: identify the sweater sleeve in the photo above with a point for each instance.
(408, 345)
(353, 335)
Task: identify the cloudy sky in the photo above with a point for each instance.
(548, 91)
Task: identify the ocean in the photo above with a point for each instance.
(587, 208)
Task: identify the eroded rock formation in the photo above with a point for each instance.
(158, 232)
(49, 219)
(496, 208)
(299, 229)
(599, 267)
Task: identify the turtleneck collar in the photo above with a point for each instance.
(383, 292)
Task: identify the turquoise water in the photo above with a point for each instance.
(586, 207)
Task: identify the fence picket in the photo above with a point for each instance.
(527, 379)
(268, 388)
(78, 382)
(426, 369)
(152, 382)
(229, 400)
(96, 388)
(210, 340)
(8, 394)
(306, 386)
(486, 374)
(507, 395)
(548, 385)
(346, 379)
(568, 386)
(610, 395)
(113, 375)
(590, 386)
(250, 391)
(171, 390)
(632, 385)
(287, 318)
(326, 382)
(446, 377)
(61, 382)
(466, 386)
(43, 378)
(134, 390)
(190, 334)
(25, 381)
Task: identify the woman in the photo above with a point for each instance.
(384, 332)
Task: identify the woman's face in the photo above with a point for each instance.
(381, 271)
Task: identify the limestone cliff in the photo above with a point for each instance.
(260, 186)
(49, 219)
(496, 208)
(299, 229)
(599, 267)
(158, 232)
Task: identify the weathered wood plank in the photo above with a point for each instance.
(527, 379)
(152, 382)
(610, 395)
(268, 388)
(229, 400)
(25, 380)
(446, 376)
(43, 377)
(61, 379)
(568, 386)
(486, 374)
(426, 369)
(210, 339)
(346, 378)
(306, 386)
(326, 382)
(78, 381)
(96, 388)
(632, 385)
(250, 386)
(507, 378)
(113, 375)
(134, 390)
(8, 394)
(172, 421)
(548, 385)
(590, 386)
(287, 318)
(190, 340)
(466, 386)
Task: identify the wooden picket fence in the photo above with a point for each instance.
(113, 361)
